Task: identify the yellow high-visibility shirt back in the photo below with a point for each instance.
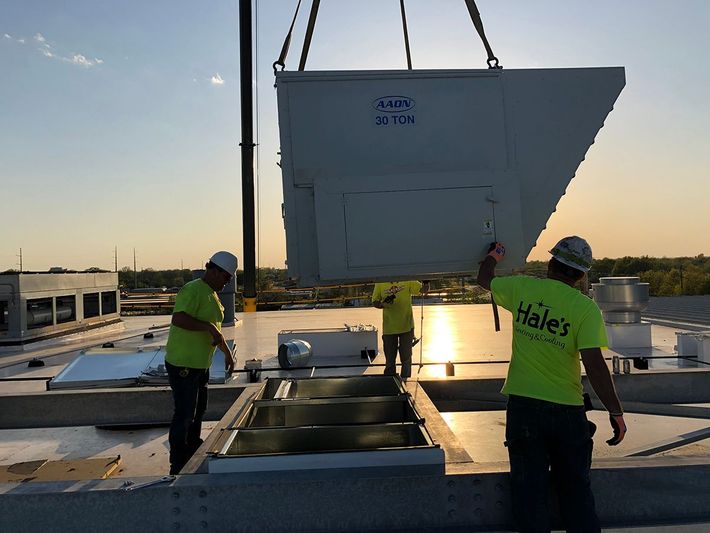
(397, 317)
(551, 323)
(193, 349)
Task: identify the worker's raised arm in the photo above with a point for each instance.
(486, 270)
(603, 385)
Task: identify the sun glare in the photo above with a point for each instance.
(440, 339)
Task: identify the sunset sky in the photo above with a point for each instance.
(120, 121)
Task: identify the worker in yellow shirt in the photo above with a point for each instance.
(395, 300)
(547, 432)
(195, 332)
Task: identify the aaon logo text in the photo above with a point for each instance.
(393, 104)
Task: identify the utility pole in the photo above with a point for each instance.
(247, 149)
(20, 256)
(115, 258)
(135, 273)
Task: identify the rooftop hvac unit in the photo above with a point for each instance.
(410, 174)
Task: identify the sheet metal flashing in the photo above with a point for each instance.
(643, 491)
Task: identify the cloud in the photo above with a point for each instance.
(11, 38)
(50, 51)
(82, 60)
(217, 80)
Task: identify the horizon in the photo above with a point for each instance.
(130, 269)
(123, 130)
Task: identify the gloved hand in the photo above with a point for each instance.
(619, 427)
(497, 251)
(389, 299)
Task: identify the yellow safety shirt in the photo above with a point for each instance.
(397, 317)
(551, 323)
(193, 349)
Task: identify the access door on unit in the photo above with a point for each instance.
(402, 233)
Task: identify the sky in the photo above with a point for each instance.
(120, 121)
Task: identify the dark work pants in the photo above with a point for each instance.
(544, 439)
(189, 386)
(403, 343)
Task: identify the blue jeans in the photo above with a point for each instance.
(544, 439)
(189, 386)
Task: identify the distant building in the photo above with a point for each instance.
(39, 305)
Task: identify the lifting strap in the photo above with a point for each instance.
(478, 24)
(281, 61)
(309, 34)
(406, 35)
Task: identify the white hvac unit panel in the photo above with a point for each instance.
(347, 341)
(369, 239)
(398, 174)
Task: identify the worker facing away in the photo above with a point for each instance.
(547, 431)
(395, 300)
(195, 332)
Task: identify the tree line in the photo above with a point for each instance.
(267, 278)
(666, 276)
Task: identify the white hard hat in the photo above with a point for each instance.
(574, 252)
(226, 261)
